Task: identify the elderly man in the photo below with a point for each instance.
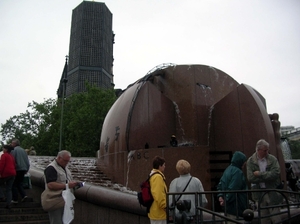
(263, 172)
(57, 175)
(22, 167)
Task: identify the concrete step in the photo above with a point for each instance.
(23, 212)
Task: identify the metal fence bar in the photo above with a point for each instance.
(290, 199)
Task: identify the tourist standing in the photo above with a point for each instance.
(263, 172)
(7, 174)
(22, 167)
(234, 179)
(186, 183)
(57, 175)
(157, 213)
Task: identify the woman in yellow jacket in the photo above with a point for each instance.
(157, 213)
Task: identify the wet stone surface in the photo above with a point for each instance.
(83, 169)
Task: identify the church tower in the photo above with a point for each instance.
(91, 48)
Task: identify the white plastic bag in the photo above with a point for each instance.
(69, 197)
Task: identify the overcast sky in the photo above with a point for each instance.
(256, 42)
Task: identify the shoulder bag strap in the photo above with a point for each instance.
(183, 190)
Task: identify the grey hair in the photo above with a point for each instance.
(261, 143)
(63, 153)
(16, 141)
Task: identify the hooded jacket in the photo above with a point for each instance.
(234, 179)
(158, 191)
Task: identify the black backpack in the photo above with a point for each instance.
(144, 196)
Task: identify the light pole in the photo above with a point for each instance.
(64, 83)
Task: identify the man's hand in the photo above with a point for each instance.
(256, 173)
(73, 184)
(60, 186)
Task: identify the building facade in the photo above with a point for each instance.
(290, 132)
(91, 48)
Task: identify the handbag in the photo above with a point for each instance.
(68, 197)
(52, 200)
(177, 199)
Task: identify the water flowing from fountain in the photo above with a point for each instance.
(211, 108)
(129, 159)
(179, 119)
(286, 151)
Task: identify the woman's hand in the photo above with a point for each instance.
(221, 200)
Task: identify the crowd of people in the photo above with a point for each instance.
(14, 164)
(263, 172)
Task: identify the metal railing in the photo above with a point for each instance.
(180, 213)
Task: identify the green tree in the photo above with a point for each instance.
(28, 126)
(84, 114)
(295, 148)
(83, 117)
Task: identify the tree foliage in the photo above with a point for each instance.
(83, 116)
(295, 148)
(29, 125)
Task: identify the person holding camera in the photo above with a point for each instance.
(185, 203)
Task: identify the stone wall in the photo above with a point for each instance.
(96, 204)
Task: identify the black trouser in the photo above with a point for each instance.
(18, 185)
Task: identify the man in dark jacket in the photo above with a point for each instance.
(234, 179)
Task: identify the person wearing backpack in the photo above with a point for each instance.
(157, 213)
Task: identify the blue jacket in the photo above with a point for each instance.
(21, 158)
(234, 179)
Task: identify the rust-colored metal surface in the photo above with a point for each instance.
(211, 114)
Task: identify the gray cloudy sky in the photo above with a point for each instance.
(257, 42)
